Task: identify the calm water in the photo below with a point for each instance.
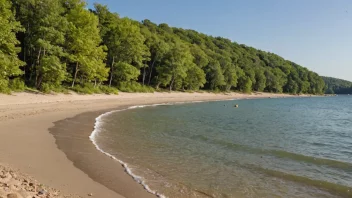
(299, 147)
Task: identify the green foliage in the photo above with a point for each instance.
(86, 55)
(247, 85)
(109, 90)
(89, 88)
(53, 72)
(97, 51)
(17, 85)
(4, 86)
(175, 65)
(337, 86)
(195, 78)
(9, 62)
(125, 72)
(134, 87)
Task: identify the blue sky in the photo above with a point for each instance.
(316, 34)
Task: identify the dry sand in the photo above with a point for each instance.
(64, 158)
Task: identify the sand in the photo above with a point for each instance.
(46, 137)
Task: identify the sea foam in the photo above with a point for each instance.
(97, 130)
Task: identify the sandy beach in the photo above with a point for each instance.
(47, 138)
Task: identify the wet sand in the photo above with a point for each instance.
(47, 137)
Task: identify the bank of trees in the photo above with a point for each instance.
(337, 86)
(54, 44)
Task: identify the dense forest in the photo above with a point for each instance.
(55, 45)
(337, 86)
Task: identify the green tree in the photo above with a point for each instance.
(9, 62)
(195, 78)
(86, 56)
(260, 80)
(44, 39)
(125, 72)
(215, 77)
(175, 64)
(247, 85)
(157, 49)
(123, 38)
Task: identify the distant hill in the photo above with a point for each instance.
(337, 86)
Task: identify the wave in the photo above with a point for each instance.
(278, 153)
(340, 190)
(97, 130)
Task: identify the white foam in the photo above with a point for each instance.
(96, 131)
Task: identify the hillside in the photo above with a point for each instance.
(54, 45)
(337, 86)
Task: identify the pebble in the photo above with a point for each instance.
(90, 194)
(12, 195)
(41, 192)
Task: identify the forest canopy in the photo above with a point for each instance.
(51, 45)
(337, 86)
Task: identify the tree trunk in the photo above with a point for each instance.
(151, 71)
(75, 76)
(144, 74)
(172, 83)
(111, 70)
(38, 62)
(40, 74)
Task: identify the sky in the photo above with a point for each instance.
(316, 34)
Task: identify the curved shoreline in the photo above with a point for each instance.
(96, 130)
(66, 159)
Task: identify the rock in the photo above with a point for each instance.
(42, 192)
(31, 184)
(12, 195)
(90, 194)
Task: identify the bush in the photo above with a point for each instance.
(89, 88)
(47, 88)
(17, 85)
(134, 87)
(4, 86)
(85, 89)
(108, 90)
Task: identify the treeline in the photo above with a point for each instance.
(337, 86)
(56, 44)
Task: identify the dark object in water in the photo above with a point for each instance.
(236, 106)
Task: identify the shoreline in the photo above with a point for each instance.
(26, 118)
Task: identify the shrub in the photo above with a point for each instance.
(134, 87)
(4, 86)
(17, 85)
(88, 88)
(108, 90)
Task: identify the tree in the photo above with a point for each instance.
(44, 38)
(195, 78)
(64, 43)
(337, 86)
(123, 38)
(86, 56)
(175, 64)
(215, 77)
(125, 72)
(157, 49)
(9, 62)
(247, 85)
(260, 80)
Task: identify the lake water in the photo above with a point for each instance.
(293, 147)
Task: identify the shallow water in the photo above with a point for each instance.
(297, 147)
